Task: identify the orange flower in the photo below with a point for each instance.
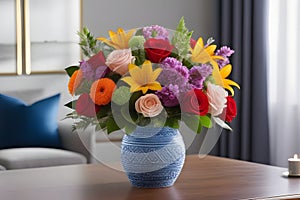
(102, 90)
(75, 81)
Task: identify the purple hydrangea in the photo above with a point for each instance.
(169, 95)
(225, 52)
(173, 63)
(90, 73)
(173, 72)
(198, 74)
(155, 31)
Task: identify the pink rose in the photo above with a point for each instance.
(217, 97)
(149, 105)
(118, 60)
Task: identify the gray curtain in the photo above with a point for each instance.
(242, 26)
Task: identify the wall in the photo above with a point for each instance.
(200, 15)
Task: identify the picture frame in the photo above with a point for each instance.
(50, 32)
(11, 37)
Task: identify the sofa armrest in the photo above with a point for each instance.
(80, 141)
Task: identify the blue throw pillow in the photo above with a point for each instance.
(33, 125)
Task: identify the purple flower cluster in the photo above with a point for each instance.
(173, 72)
(155, 31)
(91, 73)
(169, 95)
(175, 79)
(198, 74)
(225, 52)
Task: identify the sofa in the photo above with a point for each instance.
(77, 148)
(74, 147)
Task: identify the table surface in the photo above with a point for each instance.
(201, 178)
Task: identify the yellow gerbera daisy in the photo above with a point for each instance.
(144, 78)
(119, 39)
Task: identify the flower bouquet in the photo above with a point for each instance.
(151, 77)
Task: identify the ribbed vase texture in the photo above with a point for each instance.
(153, 157)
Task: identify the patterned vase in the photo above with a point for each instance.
(153, 157)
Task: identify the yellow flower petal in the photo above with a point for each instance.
(225, 71)
(119, 39)
(230, 82)
(211, 49)
(216, 73)
(156, 73)
(143, 79)
(154, 86)
(228, 87)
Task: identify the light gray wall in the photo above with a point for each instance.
(100, 16)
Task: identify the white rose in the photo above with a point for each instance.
(216, 98)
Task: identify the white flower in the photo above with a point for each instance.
(216, 98)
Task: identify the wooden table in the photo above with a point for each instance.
(208, 178)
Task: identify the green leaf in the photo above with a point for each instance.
(139, 32)
(89, 44)
(172, 123)
(71, 104)
(115, 77)
(104, 111)
(70, 70)
(193, 122)
(206, 121)
(112, 125)
(181, 40)
(140, 56)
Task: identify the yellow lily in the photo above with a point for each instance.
(144, 78)
(201, 54)
(225, 71)
(119, 39)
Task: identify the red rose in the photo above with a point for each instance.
(195, 102)
(97, 60)
(85, 106)
(157, 49)
(193, 43)
(231, 109)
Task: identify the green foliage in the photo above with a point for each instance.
(89, 45)
(193, 122)
(112, 125)
(71, 104)
(205, 121)
(181, 40)
(140, 56)
(70, 70)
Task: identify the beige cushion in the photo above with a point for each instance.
(19, 158)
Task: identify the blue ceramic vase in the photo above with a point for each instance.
(153, 157)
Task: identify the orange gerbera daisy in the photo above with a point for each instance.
(75, 81)
(102, 90)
